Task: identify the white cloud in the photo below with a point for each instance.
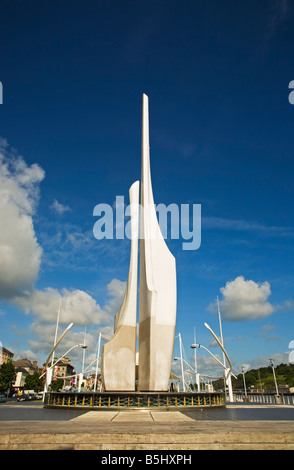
(44, 336)
(42, 342)
(76, 306)
(266, 333)
(245, 300)
(279, 358)
(116, 290)
(20, 253)
(286, 306)
(245, 367)
(20, 256)
(60, 208)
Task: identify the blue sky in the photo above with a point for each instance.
(221, 135)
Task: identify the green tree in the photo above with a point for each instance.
(56, 385)
(7, 373)
(33, 382)
(284, 375)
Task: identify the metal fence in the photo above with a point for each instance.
(152, 400)
(266, 398)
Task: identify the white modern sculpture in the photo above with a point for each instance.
(157, 305)
(118, 362)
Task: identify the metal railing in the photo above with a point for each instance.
(132, 400)
(267, 398)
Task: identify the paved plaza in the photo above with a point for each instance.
(236, 426)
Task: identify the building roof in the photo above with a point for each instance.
(22, 370)
(7, 351)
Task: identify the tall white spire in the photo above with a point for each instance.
(157, 306)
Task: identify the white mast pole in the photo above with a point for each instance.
(182, 364)
(221, 330)
(197, 378)
(228, 377)
(97, 361)
(56, 328)
(84, 351)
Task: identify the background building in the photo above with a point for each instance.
(63, 369)
(6, 356)
(23, 368)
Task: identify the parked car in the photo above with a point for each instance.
(31, 396)
(23, 397)
(3, 398)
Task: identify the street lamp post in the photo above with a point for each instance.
(197, 380)
(274, 374)
(243, 372)
(197, 345)
(228, 372)
(46, 369)
(82, 346)
(182, 360)
(193, 371)
(56, 328)
(228, 381)
(49, 370)
(97, 361)
(55, 346)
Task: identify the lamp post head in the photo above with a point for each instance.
(194, 346)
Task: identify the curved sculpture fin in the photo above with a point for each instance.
(118, 360)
